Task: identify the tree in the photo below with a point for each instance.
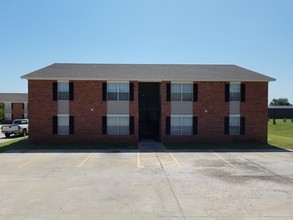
(280, 101)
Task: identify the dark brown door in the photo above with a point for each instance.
(149, 110)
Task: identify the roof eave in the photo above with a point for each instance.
(151, 80)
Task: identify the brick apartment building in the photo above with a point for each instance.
(15, 106)
(129, 102)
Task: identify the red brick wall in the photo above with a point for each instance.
(41, 109)
(17, 111)
(255, 110)
(88, 109)
(133, 110)
(166, 111)
(211, 109)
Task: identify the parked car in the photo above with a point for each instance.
(18, 127)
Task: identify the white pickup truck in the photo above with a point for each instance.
(18, 127)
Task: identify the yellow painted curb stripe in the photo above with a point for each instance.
(30, 161)
(138, 160)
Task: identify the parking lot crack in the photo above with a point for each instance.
(287, 179)
(171, 188)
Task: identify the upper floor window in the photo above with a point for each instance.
(181, 92)
(63, 91)
(7, 106)
(235, 92)
(118, 91)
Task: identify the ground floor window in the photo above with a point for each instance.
(63, 124)
(235, 125)
(7, 117)
(181, 125)
(118, 124)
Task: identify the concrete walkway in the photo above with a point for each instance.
(149, 145)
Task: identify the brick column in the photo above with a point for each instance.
(133, 109)
(165, 111)
(255, 111)
(88, 108)
(41, 109)
(211, 109)
(17, 110)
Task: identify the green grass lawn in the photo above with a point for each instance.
(22, 144)
(281, 134)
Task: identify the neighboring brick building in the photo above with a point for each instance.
(280, 112)
(15, 106)
(128, 102)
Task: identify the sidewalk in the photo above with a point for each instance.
(149, 145)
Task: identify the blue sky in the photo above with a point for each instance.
(254, 34)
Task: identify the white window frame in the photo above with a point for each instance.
(231, 91)
(66, 125)
(7, 106)
(7, 116)
(181, 124)
(25, 109)
(60, 89)
(234, 126)
(181, 91)
(118, 88)
(25, 115)
(118, 125)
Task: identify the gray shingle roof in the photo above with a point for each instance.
(14, 97)
(146, 72)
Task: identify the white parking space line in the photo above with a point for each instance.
(268, 156)
(88, 157)
(138, 160)
(223, 159)
(176, 161)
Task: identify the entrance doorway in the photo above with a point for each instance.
(149, 110)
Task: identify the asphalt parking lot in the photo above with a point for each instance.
(203, 184)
